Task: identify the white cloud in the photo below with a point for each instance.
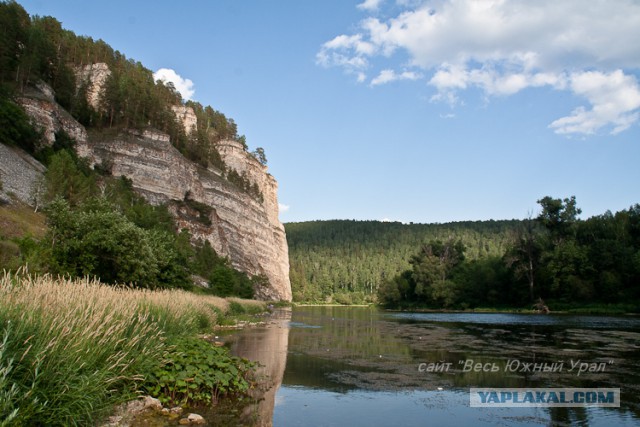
(184, 86)
(493, 82)
(614, 99)
(503, 47)
(370, 5)
(387, 76)
(334, 54)
(351, 42)
(283, 208)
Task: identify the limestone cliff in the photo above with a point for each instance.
(92, 78)
(48, 116)
(187, 117)
(243, 228)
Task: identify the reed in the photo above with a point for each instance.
(71, 349)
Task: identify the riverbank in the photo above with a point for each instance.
(595, 309)
(554, 307)
(71, 350)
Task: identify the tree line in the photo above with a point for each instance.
(347, 261)
(555, 259)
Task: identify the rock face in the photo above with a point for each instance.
(20, 174)
(93, 77)
(187, 117)
(242, 228)
(49, 116)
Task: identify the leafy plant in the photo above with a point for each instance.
(195, 372)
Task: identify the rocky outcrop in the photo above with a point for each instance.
(20, 174)
(93, 77)
(239, 226)
(235, 156)
(49, 117)
(187, 117)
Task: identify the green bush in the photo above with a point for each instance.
(94, 239)
(15, 127)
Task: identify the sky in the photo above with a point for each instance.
(405, 110)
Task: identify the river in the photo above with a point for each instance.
(337, 366)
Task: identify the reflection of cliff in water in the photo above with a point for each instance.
(267, 346)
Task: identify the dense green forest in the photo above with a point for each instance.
(555, 258)
(97, 225)
(347, 261)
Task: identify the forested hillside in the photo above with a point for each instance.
(554, 259)
(347, 261)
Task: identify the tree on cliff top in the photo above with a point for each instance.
(259, 154)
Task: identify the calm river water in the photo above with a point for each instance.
(347, 366)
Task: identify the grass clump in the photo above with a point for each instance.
(72, 349)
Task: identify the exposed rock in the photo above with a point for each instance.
(151, 403)
(199, 281)
(94, 77)
(20, 174)
(187, 117)
(125, 414)
(195, 419)
(48, 116)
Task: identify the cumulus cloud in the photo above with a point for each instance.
(184, 86)
(614, 99)
(503, 47)
(283, 208)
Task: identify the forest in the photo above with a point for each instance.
(555, 259)
(348, 261)
(96, 224)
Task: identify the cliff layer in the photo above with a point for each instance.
(241, 227)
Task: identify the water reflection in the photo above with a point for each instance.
(339, 365)
(267, 346)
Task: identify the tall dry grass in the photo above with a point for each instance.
(70, 349)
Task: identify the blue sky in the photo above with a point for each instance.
(408, 110)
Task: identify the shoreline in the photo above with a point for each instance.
(585, 311)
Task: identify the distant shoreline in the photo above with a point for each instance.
(594, 311)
